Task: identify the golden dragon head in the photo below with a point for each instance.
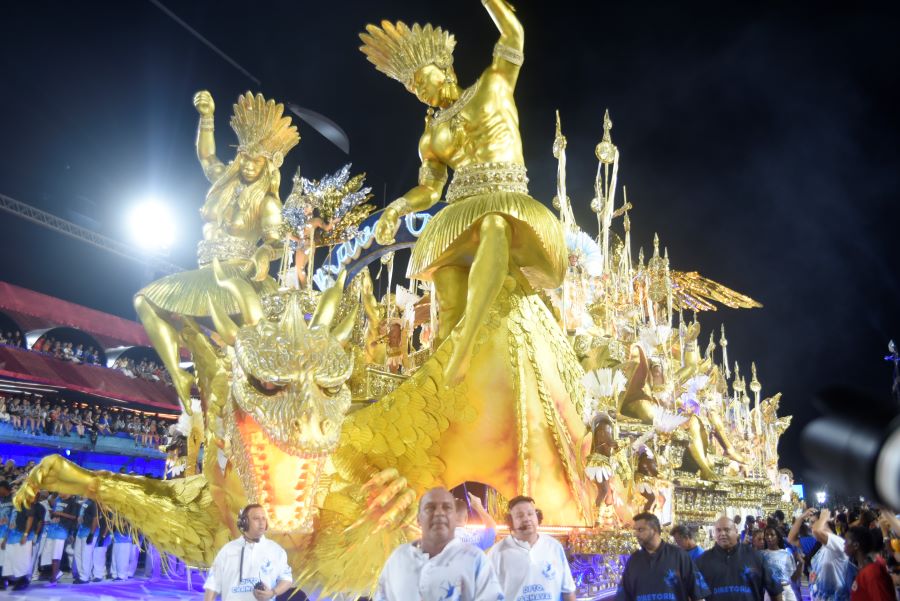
(288, 396)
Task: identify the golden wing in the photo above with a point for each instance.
(693, 292)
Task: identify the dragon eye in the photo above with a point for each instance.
(331, 390)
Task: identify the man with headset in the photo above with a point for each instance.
(252, 567)
(529, 564)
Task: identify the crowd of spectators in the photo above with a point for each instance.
(145, 369)
(833, 553)
(11, 338)
(59, 417)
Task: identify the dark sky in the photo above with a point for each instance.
(759, 140)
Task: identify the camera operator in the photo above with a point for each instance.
(252, 567)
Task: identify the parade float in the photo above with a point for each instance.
(522, 352)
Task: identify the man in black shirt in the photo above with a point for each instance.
(735, 572)
(659, 571)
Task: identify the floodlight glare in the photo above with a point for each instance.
(151, 225)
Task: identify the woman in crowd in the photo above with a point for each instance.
(77, 424)
(757, 539)
(4, 412)
(780, 562)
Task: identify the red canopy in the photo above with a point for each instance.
(33, 310)
(89, 379)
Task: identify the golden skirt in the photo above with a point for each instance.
(537, 247)
(186, 293)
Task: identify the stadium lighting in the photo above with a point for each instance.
(151, 226)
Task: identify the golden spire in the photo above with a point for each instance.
(606, 150)
(399, 51)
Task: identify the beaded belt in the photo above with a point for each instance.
(224, 249)
(484, 178)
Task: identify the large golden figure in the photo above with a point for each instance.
(242, 208)
(492, 227)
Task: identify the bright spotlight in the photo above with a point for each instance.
(152, 227)
(821, 496)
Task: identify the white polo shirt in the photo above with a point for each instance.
(264, 562)
(532, 573)
(460, 572)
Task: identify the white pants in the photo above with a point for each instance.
(787, 593)
(99, 570)
(37, 550)
(53, 550)
(121, 560)
(18, 560)
(133, 561)
(84, 558)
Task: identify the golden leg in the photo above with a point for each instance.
(450, 286)
(720, 434)
(642, 409)
(486, 277)
(698, 450)
(165, 340)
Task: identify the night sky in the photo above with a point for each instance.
(759, 141)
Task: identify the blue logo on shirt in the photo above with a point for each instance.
(671, 579)
(548, 571)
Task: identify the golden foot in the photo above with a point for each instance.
(183, 382)
(458, 366)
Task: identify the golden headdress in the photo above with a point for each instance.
(261, 127)
(399, 51)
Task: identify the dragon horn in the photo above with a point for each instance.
(329, 302)
(342, 331)
(242, 292)
(223, 323)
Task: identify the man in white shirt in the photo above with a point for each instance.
(252, 567)
(437, 567)
(531, 565)
(832, 571)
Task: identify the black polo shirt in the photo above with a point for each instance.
(667, 575)
(737, 574)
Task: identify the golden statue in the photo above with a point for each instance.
(492, 228)
(242, 208)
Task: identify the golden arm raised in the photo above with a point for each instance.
(176, 515)
(206, 139)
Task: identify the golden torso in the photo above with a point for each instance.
(481, 127)
(234, 212)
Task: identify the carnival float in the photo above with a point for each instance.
(522, 353)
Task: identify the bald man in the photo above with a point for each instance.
(438, 566)
(735, 572)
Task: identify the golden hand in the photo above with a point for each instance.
(387, 225)
(257, 267)
(390, 502)
(203, 102)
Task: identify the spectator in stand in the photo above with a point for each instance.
(18, 340)
(4, 412)
(79, 353)
(103, 425)
(77, 423)
(28, 418)
(15, 414)
(57, 350)
(120, 425)
(5, 337)
(88, 420)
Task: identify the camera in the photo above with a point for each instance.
(857, 444)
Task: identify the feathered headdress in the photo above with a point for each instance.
(262, 129)
(399, 51)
